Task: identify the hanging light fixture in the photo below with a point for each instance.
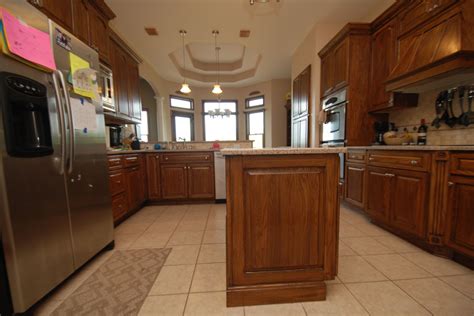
(185, 86)
(217, 87)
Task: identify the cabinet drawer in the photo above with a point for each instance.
(356, 155)
(462, 164)
(119, 206)
(400, 159)
(131, 160)
(115, 162)
(187, 157)
(117, 183)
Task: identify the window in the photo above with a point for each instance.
(220, 127)
(255, 102)
(256, 128)
(256, 120)
(181, 103)
(182, 125)
(142, 128)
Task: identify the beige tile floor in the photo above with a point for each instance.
(379, 273)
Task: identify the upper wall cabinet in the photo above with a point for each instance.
(335, 66)
(86, 19)
(58, 10)
(436, 42)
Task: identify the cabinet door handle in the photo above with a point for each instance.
(206, 158)
(371, 158)
(132, 158)
(157, 157)
(391, 175)
(355, 169)
(450, 184)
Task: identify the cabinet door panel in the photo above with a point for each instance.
(295, 106)
(341, 65)
(153, 176)
(134, 90)
(174, 181)
(98, 28)
(81, 20)
(58, 10)
(305, 91)
(384, 59)
(200, 181)
(327, 75)
(461, 215)
(408, 201)
(378, 193)
(355, 184)
(133, 180)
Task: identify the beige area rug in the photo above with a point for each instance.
(119, 286)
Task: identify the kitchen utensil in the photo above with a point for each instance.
(463, 118)
(451, 119)
(440, 109)
(470, 113)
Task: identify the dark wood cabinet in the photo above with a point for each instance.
(153, 176)
(133, 184)
(301, 109)
(99, 34)
(174, 181)
(327, 74)
(355, 184)
(200, 181)
(460, 223)
(378, 193)
(80, 9)
(384, 59)
(335, 68)
(126, 82)
(58, 10)
(408, 202)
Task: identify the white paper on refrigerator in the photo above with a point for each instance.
(83, 114)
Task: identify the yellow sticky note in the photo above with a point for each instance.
(84, 79)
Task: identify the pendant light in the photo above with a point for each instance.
(184, 87)
(217, 87)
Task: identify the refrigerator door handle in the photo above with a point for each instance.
(62, 125)
(70, 122)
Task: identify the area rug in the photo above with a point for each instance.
(119, 286)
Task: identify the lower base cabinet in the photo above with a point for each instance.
(200, 181)
(460, 234)
(174, 181)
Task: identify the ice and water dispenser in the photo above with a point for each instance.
(26, 121)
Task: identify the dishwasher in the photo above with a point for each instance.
(219, 170)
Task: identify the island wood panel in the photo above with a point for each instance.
(282, 227)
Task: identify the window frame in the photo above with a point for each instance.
(247, 124)
(191, 100)
(147, 124)
(251, 108)
(173, 124)
(236, 113)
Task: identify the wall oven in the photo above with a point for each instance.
(333, 130)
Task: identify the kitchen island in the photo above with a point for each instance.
(282, 224)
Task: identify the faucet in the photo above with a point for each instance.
(184, 142)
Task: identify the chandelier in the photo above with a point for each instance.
(216, 113)
(217, 87)
(185, 86)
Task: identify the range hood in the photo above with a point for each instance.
(437, 54)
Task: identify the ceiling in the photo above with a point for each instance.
(276, 32)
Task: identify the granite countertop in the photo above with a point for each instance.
(416, 147)
(281, 151)
(123, 152)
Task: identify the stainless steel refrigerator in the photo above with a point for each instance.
(54, 195)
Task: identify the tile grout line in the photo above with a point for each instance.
(195, 266)
(419, 303)
(357, 300)
(440, 278)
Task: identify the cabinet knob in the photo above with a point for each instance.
(414, 162)
(207, 157)
(450, 184)
(166, 158)
(389, 175)
(371, 158)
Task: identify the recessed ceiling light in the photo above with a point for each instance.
(151, 31)
(244, 33)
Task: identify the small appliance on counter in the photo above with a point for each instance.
(115, 135)
(380, 127)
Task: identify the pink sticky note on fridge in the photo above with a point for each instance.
(27, 42)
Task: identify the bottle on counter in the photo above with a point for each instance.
(422, 131)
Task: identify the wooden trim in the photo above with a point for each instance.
(117, 39)
(276, 293)
(349, 29)
(103, 9)
(389, 14)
